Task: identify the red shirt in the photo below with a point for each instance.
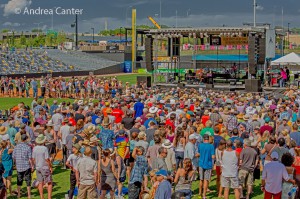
(72, 121)
(266, 128)
(118, 113)
(205, 118)
(170, 123)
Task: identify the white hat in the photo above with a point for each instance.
(80, 102)
(167, 144)
(274, 155)
(172, 101)
(153, 109)
(192, 136)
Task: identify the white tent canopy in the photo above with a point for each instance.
(289, 59)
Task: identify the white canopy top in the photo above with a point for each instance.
(289, 59)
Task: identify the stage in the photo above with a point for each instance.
(218, 87)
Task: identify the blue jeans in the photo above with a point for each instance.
(35, 90)
(187, 193)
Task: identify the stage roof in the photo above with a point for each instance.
(208, 30)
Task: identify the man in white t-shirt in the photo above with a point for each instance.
(43, 165)
(62, 134)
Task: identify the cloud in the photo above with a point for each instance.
(259, 7)
(12, 5)
(11, 24)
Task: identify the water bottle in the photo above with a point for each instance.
(292, 191)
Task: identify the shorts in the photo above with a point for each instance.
(230, 182)
(245, 178)
(51, 148)
(122, 179)
(204, 174)
(131, 159)
(44, 175)
(218, 170)
(126, 162)
(24, 175)
(134, 190)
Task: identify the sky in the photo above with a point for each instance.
(193, 13)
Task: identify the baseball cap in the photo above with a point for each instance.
(205, 137)
(77, 146)
(267, 119)
(274, 155)
(162, 172)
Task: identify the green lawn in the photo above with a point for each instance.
(61, 178)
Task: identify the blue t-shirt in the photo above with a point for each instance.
(146, 124)
(94, 117)
(296, 136)
(164, 190)
(206, 151)
(217, 140)
(235, 138)
(138, 107)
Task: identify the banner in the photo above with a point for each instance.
(270, 43)
(234, 41)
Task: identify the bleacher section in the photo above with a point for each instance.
(84, 61)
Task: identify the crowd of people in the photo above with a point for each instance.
(59, 87)
(158, 142)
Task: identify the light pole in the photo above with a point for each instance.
(288, 35)
(188, 12)
(127, 14)
(38, 26)
(254, 13)
(176, 18)
(93, 35)
(160, 12)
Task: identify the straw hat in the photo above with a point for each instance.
(255, 117)
(86, 142)
(40, 139)
(3, 130)
(206, 112)
(93, 139)
(246, 117)
(240, 116)
(108, 111)
(66, 120)
(18, 114)
(91, 129)
(142, 135)
(149, 115)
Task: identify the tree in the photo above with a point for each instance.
(61, 38)
(4, 30)
(36, 30)
(23, 40)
